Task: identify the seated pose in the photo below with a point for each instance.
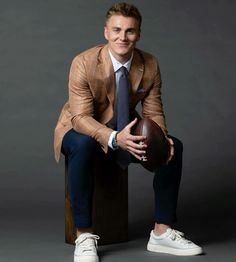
(106, 83)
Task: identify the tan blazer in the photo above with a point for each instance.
(92, 94)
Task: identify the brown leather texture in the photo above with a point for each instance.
(158, 148)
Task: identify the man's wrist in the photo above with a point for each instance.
(112, 143)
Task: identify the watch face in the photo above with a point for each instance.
(114, 142)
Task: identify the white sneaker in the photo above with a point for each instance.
(172, 242)
(86, 248)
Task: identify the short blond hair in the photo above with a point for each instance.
(125, 9)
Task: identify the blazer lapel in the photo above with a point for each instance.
(106, 72)
(136, 71)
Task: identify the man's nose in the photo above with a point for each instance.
(123, 36)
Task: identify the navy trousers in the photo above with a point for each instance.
(80, 150)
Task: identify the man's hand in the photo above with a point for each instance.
(133, 144)
(171, 149)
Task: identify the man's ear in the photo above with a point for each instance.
(105, 32)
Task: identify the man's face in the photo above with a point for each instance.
(122, 33)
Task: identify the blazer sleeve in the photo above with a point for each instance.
(152, 106)
(81, 103)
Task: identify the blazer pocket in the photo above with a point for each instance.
(141, 90)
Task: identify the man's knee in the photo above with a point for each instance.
(74, 142)
(178, 145)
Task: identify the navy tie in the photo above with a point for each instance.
(123, 157)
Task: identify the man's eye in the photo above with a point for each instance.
(131, 31)
(115, 30)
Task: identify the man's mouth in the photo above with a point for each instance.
(122, 45)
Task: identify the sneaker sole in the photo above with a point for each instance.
(174, 251)
(86, 259)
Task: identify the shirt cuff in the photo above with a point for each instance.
(111, 139)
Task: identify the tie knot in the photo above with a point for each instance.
(124, 70)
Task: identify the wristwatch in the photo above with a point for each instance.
(114, 142)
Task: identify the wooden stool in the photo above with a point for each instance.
(110, 205)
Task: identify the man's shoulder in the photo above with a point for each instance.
(91, 53)
(147, 58)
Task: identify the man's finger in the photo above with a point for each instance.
(136, 156)
(132, 123)
(136, 151)
(137, 138)
(139, 145)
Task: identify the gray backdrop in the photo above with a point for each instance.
(194, 42)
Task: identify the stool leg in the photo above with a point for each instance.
(70, 230)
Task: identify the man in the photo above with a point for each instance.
(89, 122)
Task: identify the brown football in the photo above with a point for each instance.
(158, 148)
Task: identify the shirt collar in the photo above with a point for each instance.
(117, 65)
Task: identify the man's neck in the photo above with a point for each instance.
(121, 59)
(117, 64)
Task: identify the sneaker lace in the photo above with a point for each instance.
(87, 243)
(179, 237)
